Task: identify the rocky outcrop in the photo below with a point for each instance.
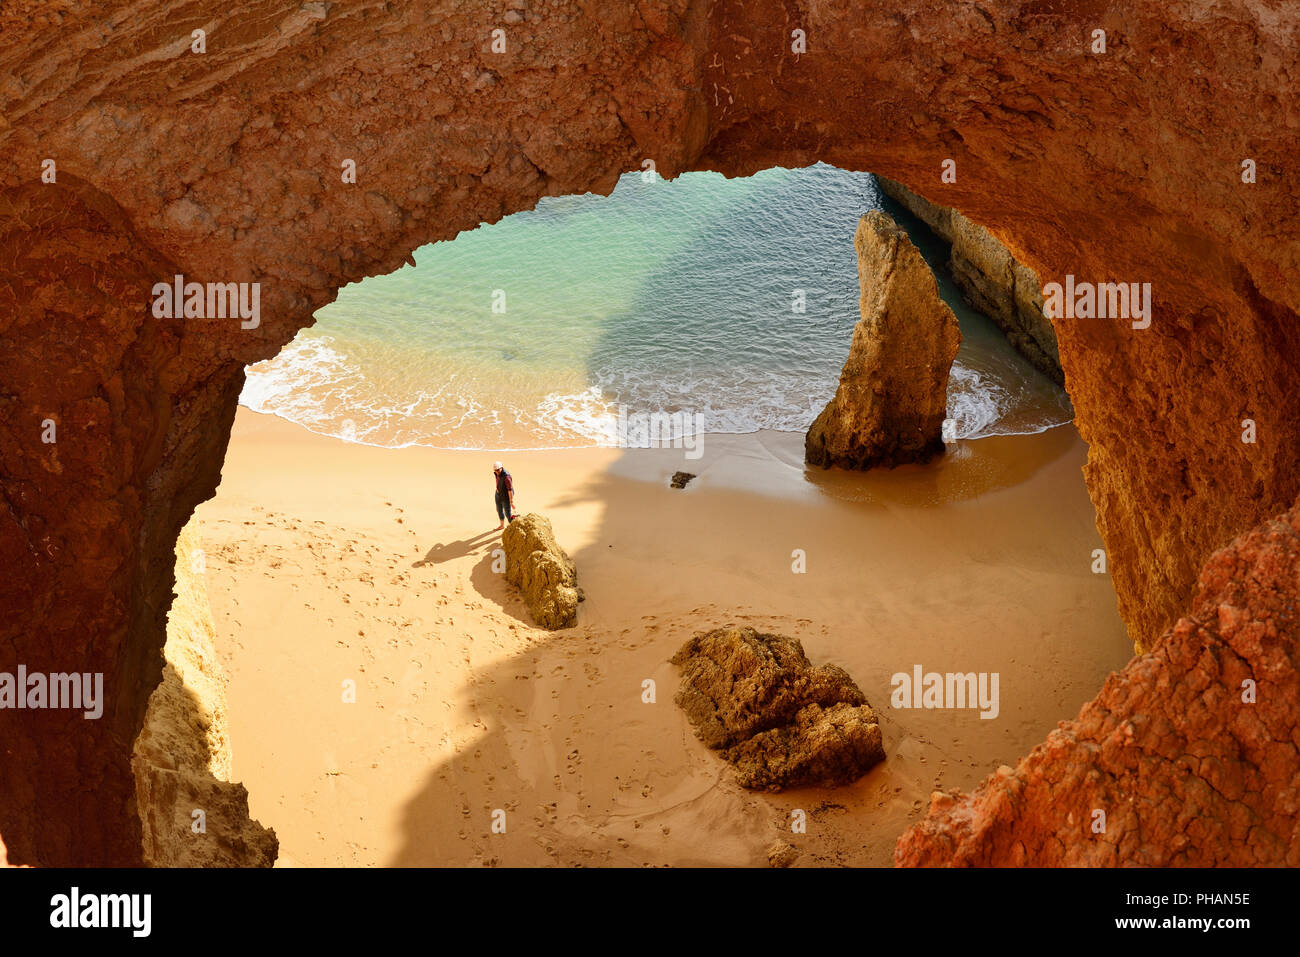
(1188, 757)
(191, 814)
(893, 392)
(226, 166)
(542, 570)
(778, 720)
(991, 280)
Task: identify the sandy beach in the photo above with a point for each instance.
(330, 561)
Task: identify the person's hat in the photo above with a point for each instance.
(495, 466)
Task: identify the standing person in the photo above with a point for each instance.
(505, 495)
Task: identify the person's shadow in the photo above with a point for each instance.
(444, 553)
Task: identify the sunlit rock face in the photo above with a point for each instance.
(1185, 758)
(892, 396)
(229, 166)
(990, 279)
(191, 813)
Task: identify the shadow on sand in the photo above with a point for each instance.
(556, 735)
(440, 553)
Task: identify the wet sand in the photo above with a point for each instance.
(329, 561)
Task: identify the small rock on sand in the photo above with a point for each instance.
(781, 854)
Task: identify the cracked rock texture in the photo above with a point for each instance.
(226, 166)
(778, 720)
(990, 279)
(893, 394)
(1192, 752)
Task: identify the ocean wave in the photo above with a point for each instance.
(981, 406)
(315, 385)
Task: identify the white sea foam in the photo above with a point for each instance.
(290, 379)
(982, 407)
(315, 385)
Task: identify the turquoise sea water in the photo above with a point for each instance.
(662, 297)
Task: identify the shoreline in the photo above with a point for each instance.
(374, 564)
(488, 450)
(978, 464)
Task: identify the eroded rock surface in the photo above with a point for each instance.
(542, 570)
(1191, 752)
(182, 756)
(990, 279)
(778, 720)
(893, 393)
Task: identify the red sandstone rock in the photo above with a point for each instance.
(226, 166)
(1186, 772)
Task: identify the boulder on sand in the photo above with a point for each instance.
(542, 570)
(893, 393)
(780, 721)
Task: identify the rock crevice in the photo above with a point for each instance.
(991, 280)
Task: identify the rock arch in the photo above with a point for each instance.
(226, 166)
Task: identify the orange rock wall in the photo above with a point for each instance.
(1188, 757)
